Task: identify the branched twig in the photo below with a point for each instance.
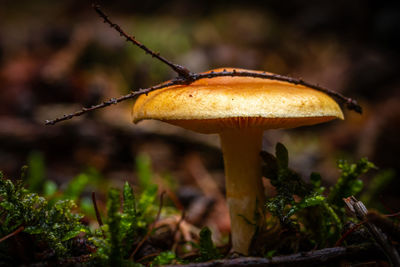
(312, 258)
(350, 103)
(150, 228)
(187, 77)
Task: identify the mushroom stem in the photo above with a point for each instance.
(244, 189)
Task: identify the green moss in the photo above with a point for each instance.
(54, 224)
(349, 183)
(315, 215)
(164, 258)
(124, 227)
(35, 172)
(305, 211)
(207, 249)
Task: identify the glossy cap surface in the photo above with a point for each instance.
(226, 103)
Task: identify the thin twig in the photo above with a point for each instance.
(387, 207)
(348, 232)
(174, 199)
(179, 223)
(19, 229)
(150, 228)
(174, 233)
(98, 216)
(392, 215)
(109, 102)
(182, 71)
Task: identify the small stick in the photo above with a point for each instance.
(19, 229)
(98, 216)
(393, 214)
(109, 102)
(150, 228)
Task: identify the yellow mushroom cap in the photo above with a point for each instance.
(213, 105)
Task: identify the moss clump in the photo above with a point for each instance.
(50, 227)
(306, 209)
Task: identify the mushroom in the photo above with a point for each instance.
(239, 109)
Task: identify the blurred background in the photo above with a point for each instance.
(57, 56)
